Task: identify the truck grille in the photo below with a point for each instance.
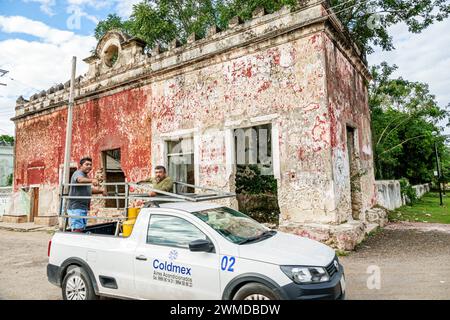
(331, 268)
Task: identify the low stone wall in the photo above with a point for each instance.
(5, 196)
(421, 189)
(19, 204)
(389, 193)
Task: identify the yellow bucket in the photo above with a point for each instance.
(128, 227)
(133, 213)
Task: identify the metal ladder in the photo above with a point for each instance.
(162, 196)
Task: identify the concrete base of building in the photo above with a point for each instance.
(14, 219)
(345, 236)
(47, 221)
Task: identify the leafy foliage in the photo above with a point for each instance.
(7, 139)
(257, 194)
(356, 16)
(249, 180)
(445, 164)
(407, 190)
(113, 21)
(9, 181)
(404, 127)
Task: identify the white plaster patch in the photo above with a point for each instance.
(286, 60)
(367, 150)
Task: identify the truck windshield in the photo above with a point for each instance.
(234, 225)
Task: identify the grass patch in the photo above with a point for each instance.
(426, 209)
(342, 253)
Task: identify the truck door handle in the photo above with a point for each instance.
(141, 257)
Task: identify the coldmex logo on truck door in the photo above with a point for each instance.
(170, 272)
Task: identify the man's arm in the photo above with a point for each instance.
(97, 190)
(165, 185)
(145, 180)
(87, 180)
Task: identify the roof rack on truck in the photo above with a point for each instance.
(199, 193)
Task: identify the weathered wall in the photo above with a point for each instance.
(5, 198)
(421, 189)
(348, 107)
(120, 121)
(285, 69)
(388, 194)
(282, 84)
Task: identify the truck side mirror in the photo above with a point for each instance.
(201, 245)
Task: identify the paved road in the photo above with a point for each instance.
(413, 260)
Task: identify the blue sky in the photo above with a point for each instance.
(39, 37)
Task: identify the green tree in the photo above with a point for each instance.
(7, 139)
(161, 21)
(10, 180)
(405, 127)
(112, 21)
(368, 21)
(250, 180)
(445, 164)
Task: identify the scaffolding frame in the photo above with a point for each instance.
(161, 197)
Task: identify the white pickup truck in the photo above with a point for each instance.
(184, 250)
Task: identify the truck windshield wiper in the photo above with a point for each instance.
(262, 236)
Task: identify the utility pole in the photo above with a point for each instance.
(69, 126)
(438, 166)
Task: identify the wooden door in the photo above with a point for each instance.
(34, 203)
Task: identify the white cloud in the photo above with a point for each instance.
(46, 5)
(423, 57)
(37, 64)
(35, 28)
(124, 8)
(97, 4)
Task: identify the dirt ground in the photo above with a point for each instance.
(23, 266)
(412, 261)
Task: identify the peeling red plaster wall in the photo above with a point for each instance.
(307, 83)
(348, 105)
(120, 120)
(285, 79)
(39, 140)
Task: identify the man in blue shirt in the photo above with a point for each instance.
(80, 207)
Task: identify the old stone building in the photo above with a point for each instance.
(293, 76)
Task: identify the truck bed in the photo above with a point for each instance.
(108, 228)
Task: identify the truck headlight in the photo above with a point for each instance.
(302, 275)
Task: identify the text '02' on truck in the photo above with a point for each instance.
(192, 250)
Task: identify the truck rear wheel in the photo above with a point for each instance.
(77, 285)
(255, 291)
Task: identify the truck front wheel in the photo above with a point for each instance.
(77, 285)
(255, 291)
